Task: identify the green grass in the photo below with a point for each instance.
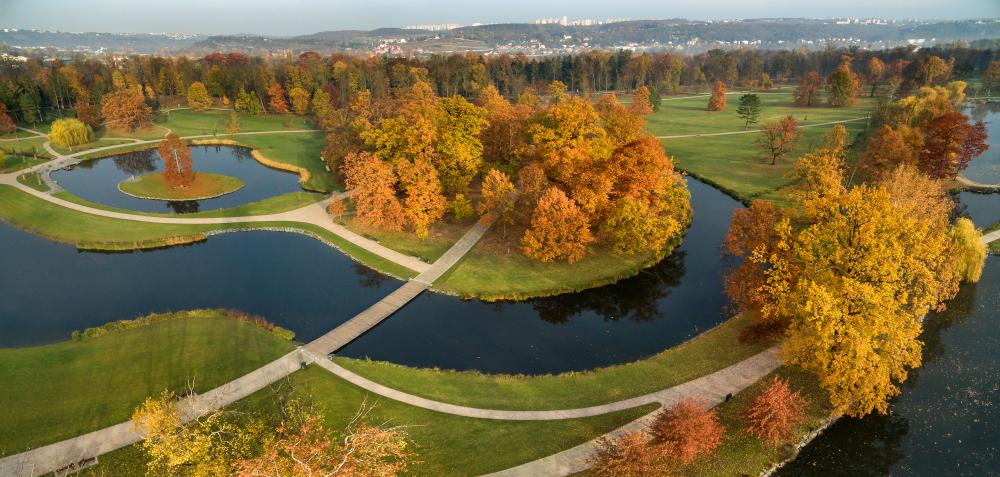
(62, 390)
(496, 269)
(204, 186)
(186, 122)
(271, 205)
(98, 142)
(33, 180)
(13, 163)
(440, 238)
(300, 149)
(733, 162)
(29, 146)
(708, 352)
(445, 444)
(994, 246)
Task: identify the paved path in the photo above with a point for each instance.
(971, 183)
(992, 236)
(751, 131)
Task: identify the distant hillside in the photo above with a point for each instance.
(687, 35)
(92, 42)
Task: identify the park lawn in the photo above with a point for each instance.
(29, 146)
(298, 149)
(994, 246)
(13, 163)
(733, 162)
(440, 238)
(33, 180)
(98, 142)
(495, 269)
(445, 444)
(187, 122)
(271, 205)
(63, 390)
(204, 186)
(708, 352)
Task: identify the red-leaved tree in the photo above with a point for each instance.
(950, 142)
(686, 431)
(775, 412)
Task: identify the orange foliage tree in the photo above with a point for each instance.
(276, 98)
(717, 101)
(559, 230)
(641, 104)
(125, 109)
(778, 138)
(887, 149)
(686, 431)
(753, 232)
(178, 169)
(6, 123)
(628, 455)
(424, 203)
(807, 92)
(774, 413)
(498, 199)
(372, 183)
(86, 112)
(336, 207)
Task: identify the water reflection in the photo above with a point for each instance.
(183, 206)
(137, 162)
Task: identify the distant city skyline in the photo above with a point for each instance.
(296, 17)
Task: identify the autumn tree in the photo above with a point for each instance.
(423, 203)
(991, 77)
(717, 100)
(752, 235)
(774, 412)
(276, 99)
(950, 142)
(531, 183)
(372, 184)
(86, 112)
(641, 103)
(461, 208)
(628, 455)
(971, 249)
(336, 207)
(178, 168)
(248, 102)
(808, 91)
(686, 430)
(621, 124)
(749, 109)
(7, 125)
(876, 69)
(842, 87)
(126, 110)
(458, 151)
(778, 138)
(69, 132)
(559, 230)
(197, 97)
(887, 149)
(932, 68)
(300, 100)
(233, 124)
(498, 199)
(505, 137)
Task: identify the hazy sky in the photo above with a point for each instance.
(291, 17)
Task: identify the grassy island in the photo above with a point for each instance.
(204, 186)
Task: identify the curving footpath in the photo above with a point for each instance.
(976, 185)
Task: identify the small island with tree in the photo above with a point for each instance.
(179, 181)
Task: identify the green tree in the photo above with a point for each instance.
(459, 153)
(749, 109)
(249, 103)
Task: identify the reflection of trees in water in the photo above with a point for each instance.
(367, 277)
(183, 206)
(635, 297)
(852, 447)
(980, 109)
(136, 162)
(959, 308)
(242, 154)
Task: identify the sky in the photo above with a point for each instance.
(294, 17)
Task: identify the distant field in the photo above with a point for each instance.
(734, 162)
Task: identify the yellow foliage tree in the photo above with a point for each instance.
(68, 132)
(559, 230)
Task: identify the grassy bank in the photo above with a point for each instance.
(704, 354)
(440, 238)
(204, 186)
(446, 444)
(495, 269)
(62, 390)
(271, 205)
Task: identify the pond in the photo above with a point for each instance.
(97, 180)
(52, 289)
(985, 169)
(945, 422)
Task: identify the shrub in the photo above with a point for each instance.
(686, 431)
